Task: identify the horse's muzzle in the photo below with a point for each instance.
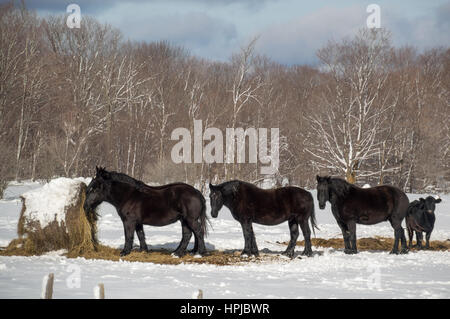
(322, 206)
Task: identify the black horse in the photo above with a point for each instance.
(249, 204)
(139, 204)
(420, 218)
(353, 205)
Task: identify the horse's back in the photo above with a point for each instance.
(375, 204)
(171, 202)
(400, 200)
(274, 206)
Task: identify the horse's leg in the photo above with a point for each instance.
(253, 247)
(196, 228)
(403, 240)
(195, 249)
(346, 235)
(141, 235)
(293, 228)
(399, 234)
(129, 228)
(351, 225)
(247, 238)
(186, 236)
(306, 231)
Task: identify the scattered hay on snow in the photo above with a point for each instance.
(370, 244)
(53, 218)
(165, 257)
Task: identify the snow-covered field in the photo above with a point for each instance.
(329, 274)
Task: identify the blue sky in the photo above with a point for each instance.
(290, 31)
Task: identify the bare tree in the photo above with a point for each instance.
(345, 128)
(244, 87)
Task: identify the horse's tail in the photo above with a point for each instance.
(204, 220)
(313, 219)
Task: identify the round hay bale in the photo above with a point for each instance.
(53, 218)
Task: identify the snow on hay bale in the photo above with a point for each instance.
(53, 218)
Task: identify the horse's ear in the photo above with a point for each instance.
(103, 173)
(211, 186)
(106, 174)
(318, 178)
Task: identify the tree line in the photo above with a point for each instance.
(71, 99)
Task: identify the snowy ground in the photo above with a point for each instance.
(330, 274)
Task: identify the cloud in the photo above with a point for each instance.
(297, 40)
(290, 31)
(200, 33)
(422, 31)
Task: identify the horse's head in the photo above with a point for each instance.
(216, 199)
(97, 189)
(429, 204)
(323, 190)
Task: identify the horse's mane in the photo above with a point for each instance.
(229, 187)
(124, 178)
(340, 186)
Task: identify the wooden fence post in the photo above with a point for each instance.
(99, 291)
(47, 286)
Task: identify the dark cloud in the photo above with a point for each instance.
(59, 6)
(95, 6)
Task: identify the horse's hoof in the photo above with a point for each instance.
(145, 250)
(124, 253)
(201, 253)
(404, 251)
(307, 253)
(245, 254)
(289, 254)
(179, 253)
(350, 251)
(394, 252)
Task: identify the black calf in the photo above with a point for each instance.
(420, 218)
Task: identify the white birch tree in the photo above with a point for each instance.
(345, 127)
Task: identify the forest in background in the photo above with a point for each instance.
(71, 99)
